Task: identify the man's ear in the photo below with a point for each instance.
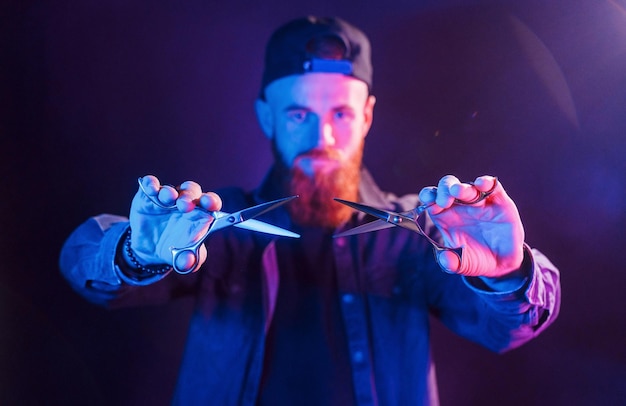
(369, 113)
(265, 117)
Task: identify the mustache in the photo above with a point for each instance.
(329, 153)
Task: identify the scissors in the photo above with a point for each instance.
(242, 219)
(408, 220)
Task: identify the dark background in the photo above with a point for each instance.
(94, 94)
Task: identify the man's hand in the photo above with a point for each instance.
(155, 230)
(489, 231)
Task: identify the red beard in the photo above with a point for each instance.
(316, 207)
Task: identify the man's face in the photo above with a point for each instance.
(317, 123)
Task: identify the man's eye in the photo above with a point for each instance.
(297, 116)
(343, 115)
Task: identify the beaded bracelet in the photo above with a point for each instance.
(150, 269)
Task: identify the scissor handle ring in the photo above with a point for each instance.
(438, 250)
(176, 252)
(155, 199)
(481, 195)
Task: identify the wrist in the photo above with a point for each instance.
(129, 263)
(512, 281)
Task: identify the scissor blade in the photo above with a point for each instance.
(365, 228)
(378, 213)
(261, 227)
(397, 219)
(223, 219)
(255, 211)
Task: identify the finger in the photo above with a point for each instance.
(492, 186)
(185, 261)
(188, 194)
(150, 185)
(167, 195)
(444, 197)
(210, 201)
(449, 261)
(485, 183)
(185, 204)
(428, 195)
(190, 189)
(464, 192)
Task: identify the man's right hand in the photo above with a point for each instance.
(156, 230)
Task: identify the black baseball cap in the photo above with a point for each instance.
(317, 44)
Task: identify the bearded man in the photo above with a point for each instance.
(319, 320)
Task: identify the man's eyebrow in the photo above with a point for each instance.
(343, 107)
(294, 106)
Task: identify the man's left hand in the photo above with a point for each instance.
(490, 232)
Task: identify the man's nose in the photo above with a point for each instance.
(325, 134)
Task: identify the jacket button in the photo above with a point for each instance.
(358, 356)
(341, 242)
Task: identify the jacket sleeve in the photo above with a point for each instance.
(88, 262)
(537, 301)
(502, 320)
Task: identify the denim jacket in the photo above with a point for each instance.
(389, 284)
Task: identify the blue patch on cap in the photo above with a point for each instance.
(328, 66)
